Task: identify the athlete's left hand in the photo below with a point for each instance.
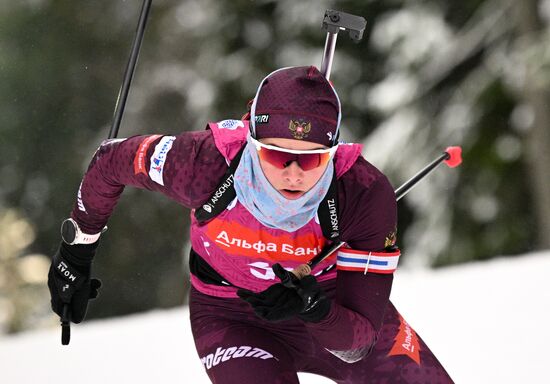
(303, 298)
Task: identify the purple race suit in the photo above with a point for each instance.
(362, 340)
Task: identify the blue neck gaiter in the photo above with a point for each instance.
(266, 204)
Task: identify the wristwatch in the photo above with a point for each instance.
(72, 234)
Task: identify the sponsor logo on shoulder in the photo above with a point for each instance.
(158, 160)
(230, 124)
(139, 159)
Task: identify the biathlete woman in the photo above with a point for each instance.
(267, 193)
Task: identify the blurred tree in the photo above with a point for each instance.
(456, 75)
(534, 95)
(62, 64)
(24, 298)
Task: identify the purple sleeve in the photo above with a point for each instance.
(368, 216)
(172, 165)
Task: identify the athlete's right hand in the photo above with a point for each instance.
(303, 298)
(69, 279)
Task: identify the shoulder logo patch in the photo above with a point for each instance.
(139, 158)
(158, 160)
(390, 240)
(230, 124)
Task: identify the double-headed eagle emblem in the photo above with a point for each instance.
(299, 128)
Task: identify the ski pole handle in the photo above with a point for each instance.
(305, 269)
(452, 157)
(318, 258)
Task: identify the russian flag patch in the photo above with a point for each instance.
(363, 261)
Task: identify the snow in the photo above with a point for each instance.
(486, 322)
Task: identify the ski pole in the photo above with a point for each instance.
(334, 22)
(119, 111)
(65, 326)
(130, 69)
(452, 157)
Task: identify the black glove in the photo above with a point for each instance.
(303, 298)
(69, 280)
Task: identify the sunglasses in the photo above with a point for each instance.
(281, 158)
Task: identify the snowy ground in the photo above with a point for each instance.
(487, 323)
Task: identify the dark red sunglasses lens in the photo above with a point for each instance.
(309, 161)
(306, 161)
(276, 158)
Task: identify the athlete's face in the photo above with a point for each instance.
(292, 181)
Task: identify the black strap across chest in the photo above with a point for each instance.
(208, 275)
(223, 195)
